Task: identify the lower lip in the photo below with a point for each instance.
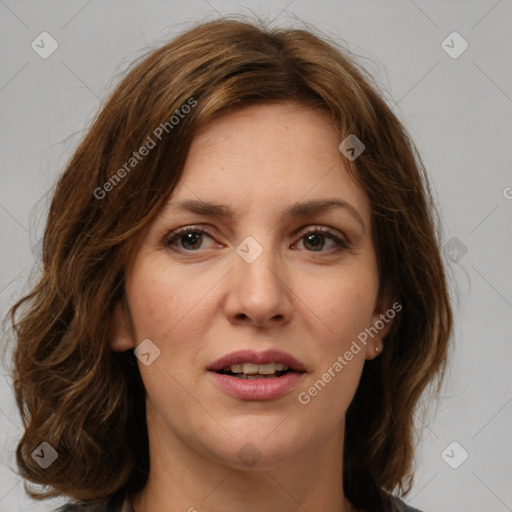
(257, 389)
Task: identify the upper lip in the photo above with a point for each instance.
(250, 356)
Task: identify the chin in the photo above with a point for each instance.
(261, 443)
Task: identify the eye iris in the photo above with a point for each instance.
(191, 238)
(315, 240)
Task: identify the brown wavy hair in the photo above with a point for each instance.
(86, 401)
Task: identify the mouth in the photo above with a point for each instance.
(253, 371)
(250, 375)
(247, 364)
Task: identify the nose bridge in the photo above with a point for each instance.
(258, 265)
(258, 289)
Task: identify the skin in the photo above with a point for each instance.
(206, 301)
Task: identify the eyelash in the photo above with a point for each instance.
(174, 236)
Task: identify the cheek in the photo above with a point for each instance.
(173, 308)
(341, 305)
(346, 308)
(163, 299)
(345, 303)
(164, 303)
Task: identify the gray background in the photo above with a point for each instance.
(459, 112)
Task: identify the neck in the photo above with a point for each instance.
(184, 477)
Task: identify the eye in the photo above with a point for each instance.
(315, 240)
(189, 239)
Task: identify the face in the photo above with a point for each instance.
(264, 279)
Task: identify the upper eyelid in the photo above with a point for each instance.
(174, 234)
(311, 227)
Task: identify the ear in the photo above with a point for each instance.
(121, 328)
(382, 319)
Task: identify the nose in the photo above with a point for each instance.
(259, 292)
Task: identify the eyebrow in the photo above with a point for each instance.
(303, 209)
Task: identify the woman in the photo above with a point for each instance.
(242, 298)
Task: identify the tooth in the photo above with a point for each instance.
(267, 368)
(236, 368)
(250, 368)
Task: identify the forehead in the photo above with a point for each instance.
(268, 156)
(278, 135)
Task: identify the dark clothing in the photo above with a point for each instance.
(124, 506)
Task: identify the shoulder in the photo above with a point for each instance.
(400, 506)
(96, 507)
(117, 503)
(83, 507)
